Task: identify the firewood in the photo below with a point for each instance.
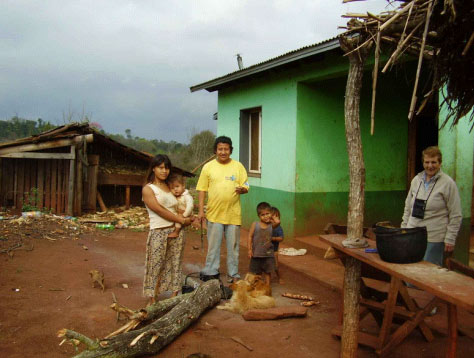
(297, 296)
(309, 303)
(275, 313)
(411, 112)
(180, 312)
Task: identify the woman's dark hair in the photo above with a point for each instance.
(225, 140)
(155, 162)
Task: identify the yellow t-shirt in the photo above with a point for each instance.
(220, 181)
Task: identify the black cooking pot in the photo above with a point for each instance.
(400, 245)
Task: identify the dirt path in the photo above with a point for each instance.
(44, 290)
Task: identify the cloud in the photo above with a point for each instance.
(130, 63)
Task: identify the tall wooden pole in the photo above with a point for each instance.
(355, 216)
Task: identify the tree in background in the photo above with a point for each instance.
(201, 146)
(17, 127)
(185, 156)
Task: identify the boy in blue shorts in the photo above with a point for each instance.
(277, 237)
(260, 246)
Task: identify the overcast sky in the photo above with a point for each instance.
(129, 64)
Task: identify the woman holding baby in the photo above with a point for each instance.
(164, 252)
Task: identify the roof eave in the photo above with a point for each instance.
(214, 84)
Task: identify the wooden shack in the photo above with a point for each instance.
(70, 170)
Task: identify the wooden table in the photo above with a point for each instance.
(455, 289)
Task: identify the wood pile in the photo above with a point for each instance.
(135, 218)
(20, 233)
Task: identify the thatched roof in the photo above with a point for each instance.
(441, 33)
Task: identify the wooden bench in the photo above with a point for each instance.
(453, 288)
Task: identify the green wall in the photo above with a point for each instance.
(277, 98)
(322, 163)
(283, 200)
(457, 146)
(278, 102)
(304, 156)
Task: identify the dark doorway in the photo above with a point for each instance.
(423, 132)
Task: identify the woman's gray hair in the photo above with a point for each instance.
(432, 151)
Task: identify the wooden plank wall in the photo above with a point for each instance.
(48, 177)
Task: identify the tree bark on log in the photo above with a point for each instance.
(355, 215)
(150, 339)
(350, 323)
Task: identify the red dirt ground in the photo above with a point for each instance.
(55, 292)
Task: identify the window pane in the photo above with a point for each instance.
(254, 141)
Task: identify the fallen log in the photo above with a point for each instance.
(151, 338)
(144, 315)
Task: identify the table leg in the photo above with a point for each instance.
(412, 306)
(452, 330)
(405, 329)
(389, 308)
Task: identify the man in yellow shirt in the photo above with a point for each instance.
(224, 180)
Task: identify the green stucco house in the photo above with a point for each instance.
(286, 119)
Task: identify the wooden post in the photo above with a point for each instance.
(47, 184)
(3, 188)
(19, 187)
(54, 177)
(15, 185)
(92, 175)
(101, 202)
(70, 192)
(79, 186)
(40, 184)
(355, 216)
(452, 330)
(127, 197)
(350, 326)
(59, 206)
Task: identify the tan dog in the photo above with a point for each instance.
(242, 300)
(259, 287)
(97, 276)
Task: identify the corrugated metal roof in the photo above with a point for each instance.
(286, 58)
(72, 130)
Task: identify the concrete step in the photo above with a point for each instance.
(312, 244)
(328, 273)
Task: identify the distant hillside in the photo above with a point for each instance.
(16, 128)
